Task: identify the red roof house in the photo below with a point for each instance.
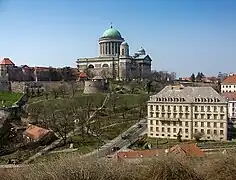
(7, 61)
(186, 150)
(34, 133)
(137, 156)
(230, 80)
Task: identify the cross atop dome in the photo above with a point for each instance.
(111, 25)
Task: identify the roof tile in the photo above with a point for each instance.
(7, 61)
(35, 132)
(230, 80)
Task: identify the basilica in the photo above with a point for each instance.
(114, 60)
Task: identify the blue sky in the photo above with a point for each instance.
(184, 36)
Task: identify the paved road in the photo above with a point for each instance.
(135, 131)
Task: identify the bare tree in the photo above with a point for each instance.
(63, 90)
(198, 135)
(73, 88)
(113, 102)
(97, 131)
(124, 109)
(58, 118)
(55, 92)
(142, 107)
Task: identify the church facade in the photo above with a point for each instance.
(114, 60)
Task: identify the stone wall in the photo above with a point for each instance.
(20, 86)
(93, 87)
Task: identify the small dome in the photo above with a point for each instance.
(111, 32)
(141, 51)
(125, 44)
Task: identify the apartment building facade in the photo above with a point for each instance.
(186, 111)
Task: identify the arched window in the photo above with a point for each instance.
(105, 65)
(91, 66)
(123, 52)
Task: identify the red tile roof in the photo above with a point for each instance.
(35, 132)
(138, 154)
(186, 150)
(229, 96)
(83, 75)
(7, 61)
(230, 80)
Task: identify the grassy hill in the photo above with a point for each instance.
(9, 98)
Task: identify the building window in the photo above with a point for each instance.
(208, 108)
(180, 130)
(151, 107)
(151, 122)
(180, 115)
(186, 124)
(222, 116)
(221, 132)
(174, 123)
(208, 124)
(215, 108)
(196, 124)
(168, 108)
(174, 130)
(168, 115)
(151, 129)
(215, 124)
(168, 123)
(186, 109)
(180, 108)
(196, 108)
(221, 109)
(208, 116)
(157, 129)
(163, 129)
(186, 130)
(168, 129)
(180, 123)
(208, 131)
(195, 130)
(151, 113)
(202, 108)
(163, 108)
(215, 116)
(202, 130)
(157, 114)
(174, 108)
(123, 52)
(202, 124)
(186, 115)
(215, 132)
(174, 115)
(195, 116)
(221, 125)
(202, 116)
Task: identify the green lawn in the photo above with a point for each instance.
(9, 98)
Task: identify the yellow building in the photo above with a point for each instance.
(187, 110)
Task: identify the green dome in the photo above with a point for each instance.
(111, 32)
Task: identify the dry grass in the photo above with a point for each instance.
(71, 168)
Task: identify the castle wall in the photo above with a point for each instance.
(20, 86)
(91, 87)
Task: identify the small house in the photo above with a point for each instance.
(37, 134)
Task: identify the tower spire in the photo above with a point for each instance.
(111, 25)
